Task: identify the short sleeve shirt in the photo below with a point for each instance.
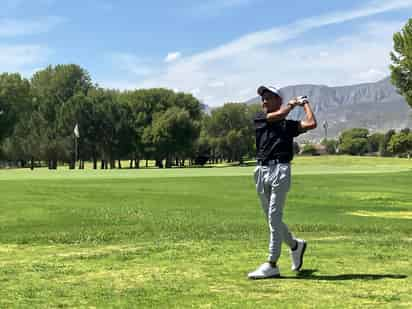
(274, 140)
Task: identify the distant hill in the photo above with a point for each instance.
(376, 106)
(205, 108)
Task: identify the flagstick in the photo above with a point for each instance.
(76, 137)
(75, 152)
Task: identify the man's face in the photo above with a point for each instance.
(271, 102)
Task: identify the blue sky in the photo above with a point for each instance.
(219, 50)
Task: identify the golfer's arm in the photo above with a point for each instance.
(280, 114)
(309, 123)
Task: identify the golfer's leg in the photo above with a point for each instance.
(285, 175)
(276, 225)
(264, 202)
(262, 189)
(287, 236)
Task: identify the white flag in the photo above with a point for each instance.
(76, 131)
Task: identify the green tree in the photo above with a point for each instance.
(58, 84)
(148, 104)
(173, 132)
(354, 141)
(401, 66)
(252, 109)
(138, 119)
(309, 149)
(207, 144)
(106, 126)
(383, 147)
(15, 100)
(375, 141)
(203, 147)
(400, 143)
(112, 124)
(231, 131)
(52, 89)
(331, 145)
(28, 140)
(96, 113)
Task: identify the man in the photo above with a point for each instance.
(274, 151)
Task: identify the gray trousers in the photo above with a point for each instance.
(272, 186)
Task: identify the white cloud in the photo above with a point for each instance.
(10, 27)
(118, 84)
(22, 58)
(130, 63)
(216, 84)
(372, 74)
(281, 34)
(208, 98)
(195, 91)
(260, 57)
(172, 56)
(323, 54)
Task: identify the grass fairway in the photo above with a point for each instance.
(187, 237)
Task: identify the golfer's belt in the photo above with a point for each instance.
(271, 162)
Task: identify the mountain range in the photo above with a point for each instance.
(376, 106)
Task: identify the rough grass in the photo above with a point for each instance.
(301, 166)
(187, 237)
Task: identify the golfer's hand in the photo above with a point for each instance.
(302, 103)
(293, 102)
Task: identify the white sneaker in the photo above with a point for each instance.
(297, 255)
(265, 271)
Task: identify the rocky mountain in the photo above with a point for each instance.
(376, 106)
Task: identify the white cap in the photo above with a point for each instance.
(272, 89)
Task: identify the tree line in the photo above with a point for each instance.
(38, 117)
(359, 141)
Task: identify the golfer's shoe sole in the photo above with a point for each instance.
(301, 257)
(262, 278)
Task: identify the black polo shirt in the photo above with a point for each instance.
(274, 140)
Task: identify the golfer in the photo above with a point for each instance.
(274, 152)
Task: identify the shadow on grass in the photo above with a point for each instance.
(309, 274)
